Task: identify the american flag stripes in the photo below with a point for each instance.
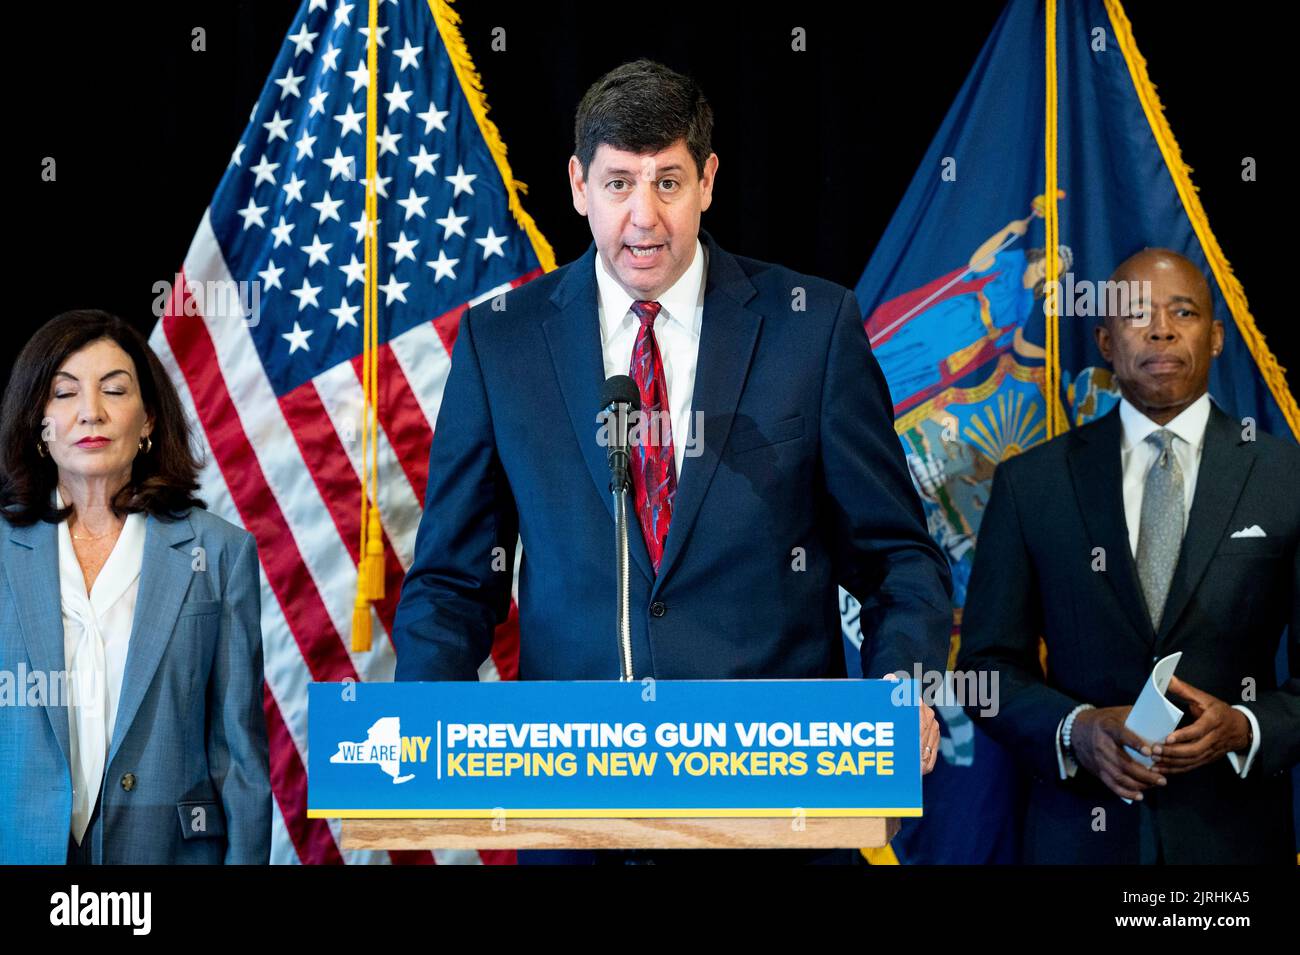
(273, 384)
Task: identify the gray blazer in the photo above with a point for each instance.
(186, 778)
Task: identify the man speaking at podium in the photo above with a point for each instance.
(773, 474)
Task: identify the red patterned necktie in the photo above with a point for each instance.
(654, 476)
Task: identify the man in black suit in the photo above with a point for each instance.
(1164, 526)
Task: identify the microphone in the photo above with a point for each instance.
(619, 397)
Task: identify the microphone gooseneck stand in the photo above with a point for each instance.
(620, 398)
(624, 621)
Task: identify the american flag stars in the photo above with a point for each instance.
(270, 275)
(302, 41)
(275, 128)
(423, 161)
(350, 120)
(307, 187)
(297, 338)
(306, 295)
(264, 171)
(317, 251)
(413, 204)
(397, 98)
(492, 243)
(289, 84)
(282, 232)
(394, 290)
(433, 118)
(462, 181)
(293, 189)
(409, 55)
(252, 214)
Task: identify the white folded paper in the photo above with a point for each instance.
(1153, 717)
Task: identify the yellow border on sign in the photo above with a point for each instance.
(784, 813)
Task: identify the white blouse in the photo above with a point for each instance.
(96, 634)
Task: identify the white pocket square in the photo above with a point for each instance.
(1254, 530)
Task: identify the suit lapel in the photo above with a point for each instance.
(164, 580)
(1226, 461)
(728, 335)
(1097, 474)
(34, 583)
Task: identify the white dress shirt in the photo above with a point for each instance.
(677, 332)
(1137, 454)
(96, 634)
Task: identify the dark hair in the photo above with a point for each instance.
(643, 107)
(162, 482)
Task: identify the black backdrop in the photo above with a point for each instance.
(816, 148)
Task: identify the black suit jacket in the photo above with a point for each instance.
(1228, 605)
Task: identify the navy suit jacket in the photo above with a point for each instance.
(801, 486)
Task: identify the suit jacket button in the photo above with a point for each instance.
(658, 608)
(128, 781)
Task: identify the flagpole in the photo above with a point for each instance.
(1056, 418)
(371, 531)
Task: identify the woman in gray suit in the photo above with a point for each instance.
(130, 637)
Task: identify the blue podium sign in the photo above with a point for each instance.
(598, 749)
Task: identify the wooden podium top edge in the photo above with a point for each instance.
(825, 832)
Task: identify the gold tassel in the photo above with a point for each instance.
(363, 576)
(360, 623)
(374, 560)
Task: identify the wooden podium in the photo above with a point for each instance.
(814, 832)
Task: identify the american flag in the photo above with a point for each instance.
(270, 373)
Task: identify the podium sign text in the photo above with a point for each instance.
(665, 748)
